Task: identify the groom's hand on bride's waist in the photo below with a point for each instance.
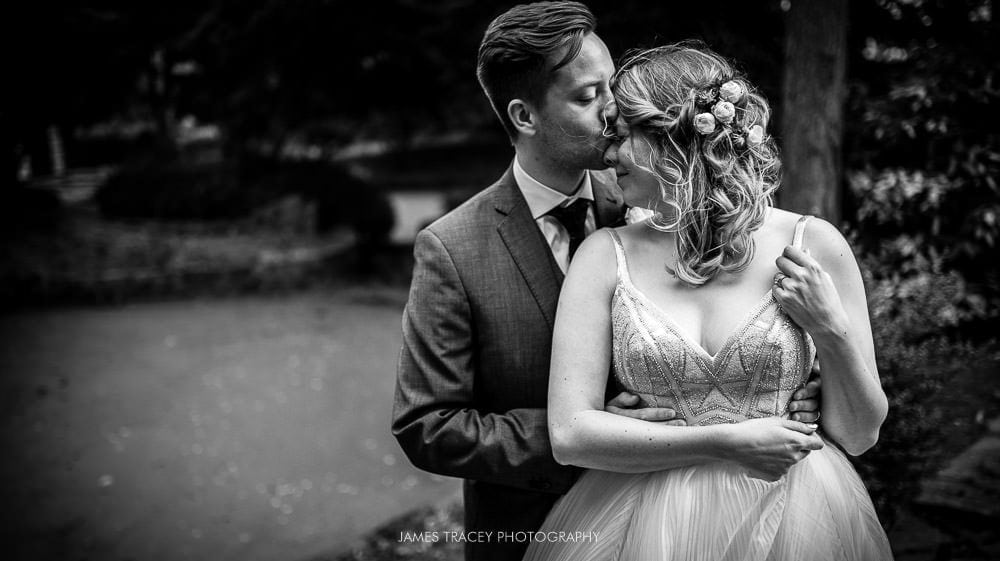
(804, 406)
(629, 405)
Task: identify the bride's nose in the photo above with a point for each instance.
(611, 155)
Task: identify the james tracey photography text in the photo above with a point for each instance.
(496, 537)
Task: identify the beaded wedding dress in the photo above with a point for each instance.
(818, 511)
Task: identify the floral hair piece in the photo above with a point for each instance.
(731, 91)
(724, 112)
(720, 103)
(704, 123)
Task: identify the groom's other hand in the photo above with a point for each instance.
(805, 402)
(625, 404)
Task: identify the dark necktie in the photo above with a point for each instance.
(573, 218)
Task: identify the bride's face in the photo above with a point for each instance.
(631, 155)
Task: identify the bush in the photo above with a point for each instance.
(24, 208)
(923, 149)
(917, 224)
(384, 543)
(175, 192)
(923, 155)
(916, 362)
(341, 198)
(167, 189)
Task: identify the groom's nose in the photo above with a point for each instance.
(611, 115)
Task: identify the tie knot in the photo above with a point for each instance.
(572, 216)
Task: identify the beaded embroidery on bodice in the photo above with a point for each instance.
(753, 375)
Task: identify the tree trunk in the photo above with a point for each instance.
(813, 107)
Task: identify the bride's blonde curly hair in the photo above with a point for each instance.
(720, 184)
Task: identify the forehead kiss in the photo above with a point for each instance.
(580, 91)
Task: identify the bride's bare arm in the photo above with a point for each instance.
(826, 296)
(583, 434)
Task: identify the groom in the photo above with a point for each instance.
(473, 372)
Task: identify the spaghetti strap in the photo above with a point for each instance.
(800, 229)
(622, 269)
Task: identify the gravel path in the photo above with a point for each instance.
(245, 428)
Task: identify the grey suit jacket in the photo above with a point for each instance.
(473, 371)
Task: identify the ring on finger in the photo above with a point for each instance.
(778, 278)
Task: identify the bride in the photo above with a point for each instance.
(714, 306)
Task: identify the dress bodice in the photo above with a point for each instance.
(753, 375)
(714, 510)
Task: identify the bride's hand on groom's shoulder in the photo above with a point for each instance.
(629, 405)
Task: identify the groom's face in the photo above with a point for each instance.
(576, 107)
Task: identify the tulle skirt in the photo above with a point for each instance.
(819, 511)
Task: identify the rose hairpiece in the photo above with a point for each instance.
(721, 104)
(731, 91)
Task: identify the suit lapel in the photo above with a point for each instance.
(608, 199)
(527, 247)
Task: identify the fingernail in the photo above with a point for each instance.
(813, 426)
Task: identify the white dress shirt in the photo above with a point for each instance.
(541, 199)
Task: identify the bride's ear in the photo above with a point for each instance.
(522, 116)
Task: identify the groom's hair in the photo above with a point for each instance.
(514, 54)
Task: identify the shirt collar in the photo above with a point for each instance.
(542, 198)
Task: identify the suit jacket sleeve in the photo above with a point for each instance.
(435, 418)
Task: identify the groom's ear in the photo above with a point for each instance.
(522, 116)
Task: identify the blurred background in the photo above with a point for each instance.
(206, 219)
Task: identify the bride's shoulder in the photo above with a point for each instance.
(638, 238)
(822, 239)
(599, 249)
(599, 245)
(595, 261)
(780, 224)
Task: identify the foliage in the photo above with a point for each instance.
(917, 224)
(171, 191)
(264, 68)
(923, 152)
(384, 544)
(922, 156)
(167, 188)
(918, 364)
